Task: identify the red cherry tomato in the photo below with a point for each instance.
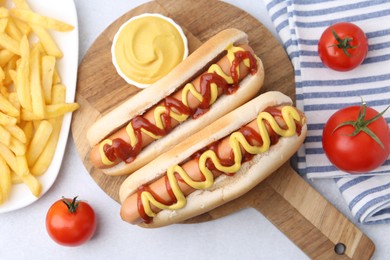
(356, 139)
(70, 222)
(342, 46)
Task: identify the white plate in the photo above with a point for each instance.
(64, 10)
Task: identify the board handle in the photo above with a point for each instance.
(303, 215)
(308, 219)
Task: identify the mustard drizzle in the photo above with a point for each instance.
(289, 114)
(188, 88)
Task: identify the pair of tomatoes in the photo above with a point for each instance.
(356, 139)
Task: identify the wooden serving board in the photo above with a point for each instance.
(290, 203)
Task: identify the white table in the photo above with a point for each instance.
(245, 235)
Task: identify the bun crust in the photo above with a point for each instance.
(150, 96)
(225, 188)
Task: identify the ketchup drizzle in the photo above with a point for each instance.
(178, 107)
(123, 151)
(251, 136)
(169, 189)
(140, 207)
(238, 58)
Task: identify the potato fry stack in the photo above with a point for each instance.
(32, 98)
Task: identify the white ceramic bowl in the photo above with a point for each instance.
(117, 67)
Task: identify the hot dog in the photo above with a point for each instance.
(216, 165)
(218, 77)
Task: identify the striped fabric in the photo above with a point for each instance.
(321, 91)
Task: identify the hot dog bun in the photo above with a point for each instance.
(150, 96)
(225, 188)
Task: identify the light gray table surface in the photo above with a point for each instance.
(243, 235)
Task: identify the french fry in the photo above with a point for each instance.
(5, 57)
(58, 94)
(4, 13)
(33, 184)
(56, 110)
(5, 136)
(3, 89)
(5, 180)
(22, 72)
(38, 142)
(27, 115)
(48, 43)
(12, 30)
(56, 77)
(46, 22)
(36, 125)
(11, 75)
(44, 160)
(7, 107)
(7, 120)
(22, 164)
(37, 98)
(15, 179)
(17, 133)
(3, 24)
(52, 111)
(48, 66)
(28, 130)
(14, 100)
(23, 27)
(9, 69)
(9, 157)
(17, 147)
(8, 43)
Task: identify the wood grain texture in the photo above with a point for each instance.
(100, 88)
(300, 212)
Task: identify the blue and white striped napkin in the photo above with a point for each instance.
(321, 91)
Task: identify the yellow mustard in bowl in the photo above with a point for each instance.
(147, 47)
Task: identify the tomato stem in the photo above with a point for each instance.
(361, 125)
(343, 44)
(72, 206)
